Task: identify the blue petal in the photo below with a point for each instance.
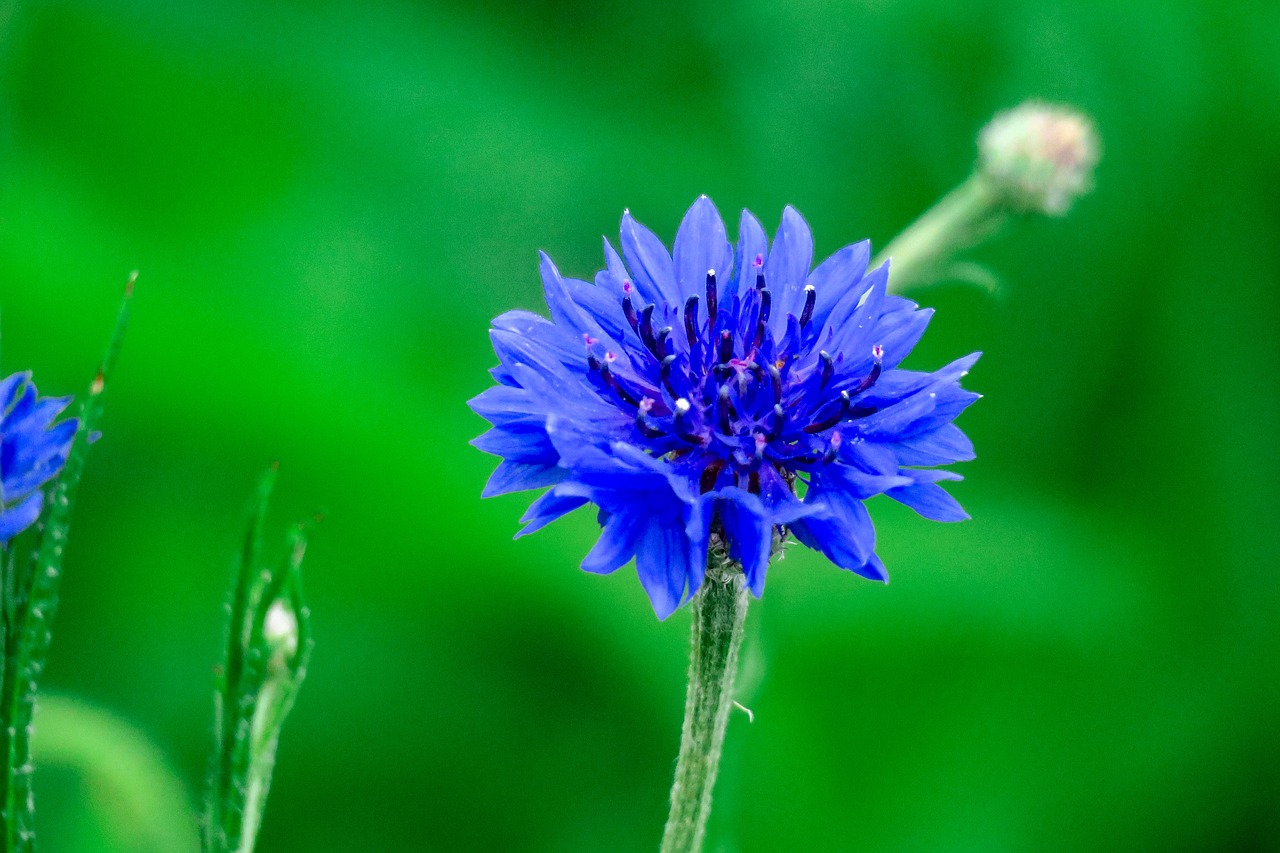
(870, 457)
(899, 333)
(892, 423)
(519, 476)
(895, 385)
(749, 533)
(941, 446)
(503, 403)
(18, 518)
(930, 500)
(27, 447)
(529, 339)
(846, 536)
(838, 275)
(649, 263)
(752, 244)
(22, 408)
(616, 545)
(581, 309)
(615, 270)
(873, 570)
(9, 390)
(853, 481)
(665, 565)
(854, 323)
(700, 246)
(602, 306)
(548, 508)
(787, 268)
(520, 440)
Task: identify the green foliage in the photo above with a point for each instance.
(331, 200)
(30, 601)
(268, 646)
(140, 802)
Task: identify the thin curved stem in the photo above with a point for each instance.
(960, 219)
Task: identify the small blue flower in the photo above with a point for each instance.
(712, 398)
(32, 451)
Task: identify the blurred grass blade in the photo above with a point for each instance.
(132, 790)
(31, 600)
(268, 646)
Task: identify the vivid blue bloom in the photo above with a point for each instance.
(718, 398)
(33, 450)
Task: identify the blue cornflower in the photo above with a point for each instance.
(708, 398)
(32, 451)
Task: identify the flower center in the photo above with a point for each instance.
(735, 390)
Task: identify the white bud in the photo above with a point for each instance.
(280, 630)
(1040, 157)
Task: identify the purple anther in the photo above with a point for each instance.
(710, 474)
(622, 393)
(779, 421)
(838, 412)
(646, 329)
(877, 352)
(661, 339)
(712, 302)
(766, 305)
(828, 368)
(724, 411)
(691, 320)
(642, 420)
(725, 352)
(810, 297)
(775, 380)
(683, 428)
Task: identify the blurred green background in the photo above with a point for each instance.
(329, 200)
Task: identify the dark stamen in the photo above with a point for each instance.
(660, 342)
(760, 278)
(725, 411)
(642, 422)
(593, 362)
(837, 415)
(712, 303)
(810, 296)
(726, 346)
(691, 320)
(710, 474)
(775, 378)
(646, 328)
(753, 482)
(832, 449)
(664, 371)
(617, 386)
(828, 368)
(628, 307)
(766, 304)
(870, 379)
(779, 420)
(682, 422)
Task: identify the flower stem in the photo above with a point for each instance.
(960, 219)
(719, 611)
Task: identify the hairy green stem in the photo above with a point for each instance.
(719, 611)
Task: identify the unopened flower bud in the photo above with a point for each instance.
(280, 630)
(1039, 157)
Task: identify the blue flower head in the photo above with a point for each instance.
(33, 450)
(713, 398)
